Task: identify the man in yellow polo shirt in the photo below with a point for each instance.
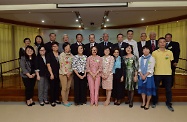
(163, 72)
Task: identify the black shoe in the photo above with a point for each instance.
(53, 104)
(170, 108)
(76, 104)
(142, 106)
(33, 103)
(46, 102)
(130, 105)
(41, 104)
(57, 102)
(29, 104)
(146, 108)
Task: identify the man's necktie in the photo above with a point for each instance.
(153, 45)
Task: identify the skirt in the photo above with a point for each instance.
(107, 84)
(147, 87)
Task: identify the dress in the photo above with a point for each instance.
(148, 86)
(108, 63)
(131, 65)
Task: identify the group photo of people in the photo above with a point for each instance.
(121, 69)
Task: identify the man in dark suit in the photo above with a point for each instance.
(141, 43)
(103, 44)
(89, 45)
(74, 46)
(48, 45)
(152, 43)
(121, 45)
(175, 48)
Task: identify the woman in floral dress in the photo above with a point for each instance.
(131, 73)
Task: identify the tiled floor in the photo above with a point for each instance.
(19, 112)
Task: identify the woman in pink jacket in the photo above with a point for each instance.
(94, 68)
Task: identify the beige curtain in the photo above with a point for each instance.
(11, 39)
(179, 31)
(6, 47)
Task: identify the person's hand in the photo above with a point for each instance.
(38, 78)
(33, 75)
(52, 77)
(30, 76)
(135, 78)
(143, 77)
(174, 64)
(68, 74)
(122, 79)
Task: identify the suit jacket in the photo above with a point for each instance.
(148, 43)
(87, 49)
(140, 48)
(26, 67)
(74, 48)
(175, 48)
(122, 49)
(41, 66)
(102, 46)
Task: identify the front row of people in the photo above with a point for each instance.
(117, 73)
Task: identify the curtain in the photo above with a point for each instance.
(6, 47)
(179, 31)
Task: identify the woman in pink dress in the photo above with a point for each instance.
(94, 68)
(107, 75)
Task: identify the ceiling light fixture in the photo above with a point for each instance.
(79, 19)
(43, 21)
(105, 26)
(104, 19)
(142, 19)
(88, 5)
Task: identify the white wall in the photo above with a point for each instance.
(98, 33)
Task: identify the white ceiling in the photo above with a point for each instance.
(66, 17)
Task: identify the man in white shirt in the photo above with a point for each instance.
(132, 42)
(141, 43)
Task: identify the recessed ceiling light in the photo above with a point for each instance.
(29, 12)
(79, 16)
(105, 26)
(79, 26)
(142, 19)
(43, 21)
(76, 20)
(107, 20)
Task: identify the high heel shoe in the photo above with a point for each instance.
(130, 104)
(146, 108)
(28, 104)
(142, 106)
(33, 103)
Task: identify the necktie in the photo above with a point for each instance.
(153, 45)
(105, 43)
(167, 45)
(119, 45)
